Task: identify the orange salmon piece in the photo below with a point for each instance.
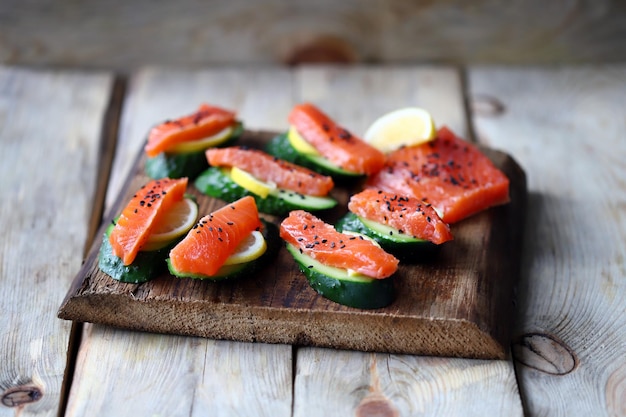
(322, 242)
(451, 174)
(334, 142)
(215, 237)
(268, 168)
(410, 215)
(204, 122)
(142, 214)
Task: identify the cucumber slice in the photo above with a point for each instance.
(166, 165)
(146, 265)
(305, 202)
(339, 286)
(188, 164)
(281, 148)
(216, 182)
(404, 247)
(271, 235)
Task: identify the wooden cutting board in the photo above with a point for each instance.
(461, 304)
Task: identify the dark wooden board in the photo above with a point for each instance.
(461, 304)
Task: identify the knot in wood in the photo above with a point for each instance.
(376, 405)
(23, 394)
(322, 49)
(545, 353)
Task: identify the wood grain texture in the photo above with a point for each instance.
(371, 384)
(50, 125)
(207, 377)
(460, 304)
(382, 384)
(123, 373)
(566, 127)
(125, 36)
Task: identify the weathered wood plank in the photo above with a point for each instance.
(409, 385)
(50, 126)
(125, 36)
(567, 128)
(365, 384)
(211, 377)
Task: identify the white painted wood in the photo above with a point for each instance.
(122, 373)
(353, 383)
(50, 125)
(567, 128)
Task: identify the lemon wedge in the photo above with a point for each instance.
(175, 223)
(251, 183)
(299, 143)
(403, 127)
(249, 249)
(202, 144)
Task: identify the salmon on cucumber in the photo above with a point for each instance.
(449, 173)
(175, 148)
(278, 186)
(318, 142)
(223, 244)
(347, 268)
(142, 214)
(403, 225)
(135, 246)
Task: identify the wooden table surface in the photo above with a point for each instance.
(68, 139)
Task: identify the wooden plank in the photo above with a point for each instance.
(126, 373)
(382, 384)
(459, 304)
(365, 384)
(566, 127)
(50, 125)
(126, 36)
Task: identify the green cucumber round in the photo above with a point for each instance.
(189, 164)
(280, 147)
(404, 247)
(216, 182)
(342, 288)
(271, 235)
(146, 265)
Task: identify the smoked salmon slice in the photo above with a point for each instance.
(452, 175)
(409, 215)
(270, 169)
(333, 142)
(207, 120)
(215, 237)
(319, 240)
(142, 214)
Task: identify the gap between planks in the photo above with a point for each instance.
(106, 150)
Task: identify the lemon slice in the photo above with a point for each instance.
(299, 143)
(403, 127)
(250, 249)
(251, 183)
(175, 223)
(202, 144)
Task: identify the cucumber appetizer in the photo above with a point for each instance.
(404, 226)
(347, 268)
(228, 243)
(315, 141)
(277, 186)
(175, 148)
